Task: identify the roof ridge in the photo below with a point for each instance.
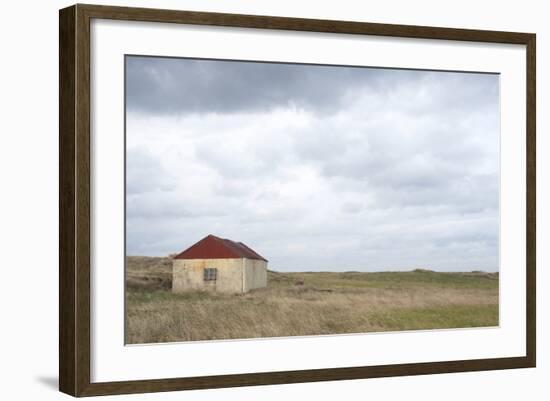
(234, 249)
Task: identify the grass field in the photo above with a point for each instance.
(295, 304)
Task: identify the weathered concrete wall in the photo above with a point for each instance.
(188, 274)
(233, 275)
(255, 274)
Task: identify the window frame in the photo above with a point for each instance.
(210, 274)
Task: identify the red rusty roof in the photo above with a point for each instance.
(212, 247)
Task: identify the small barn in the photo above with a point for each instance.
(218, 264)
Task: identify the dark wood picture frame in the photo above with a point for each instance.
(74, 200)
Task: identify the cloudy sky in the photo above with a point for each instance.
(315, 167)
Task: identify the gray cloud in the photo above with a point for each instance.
(162, 85)
(317, 167)
(175, 85)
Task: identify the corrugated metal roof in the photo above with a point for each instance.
(212, 247)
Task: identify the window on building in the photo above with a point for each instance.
(210, 274)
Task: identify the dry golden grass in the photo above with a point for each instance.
(296, 304)
(144, 272)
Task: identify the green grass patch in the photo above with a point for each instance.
(393, 280)
(447, 316)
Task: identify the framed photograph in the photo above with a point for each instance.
(250, 200)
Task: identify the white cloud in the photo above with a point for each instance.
(399, 177)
